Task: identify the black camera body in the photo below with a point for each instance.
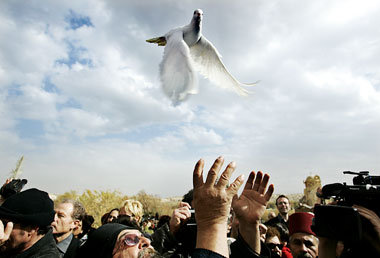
(341, 221)
(14, 186)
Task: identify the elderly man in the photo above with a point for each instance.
(68, 215)
(303, 242)
(25, 225)
(117, 241)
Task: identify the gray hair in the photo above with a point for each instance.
(79, 211)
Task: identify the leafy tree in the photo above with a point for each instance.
(153, 204)
(96, 202)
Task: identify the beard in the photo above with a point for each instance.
(149, 253)
(304, 255)
(7, 250)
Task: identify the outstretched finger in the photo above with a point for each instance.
(264, 183)
(249, 183)
(257, 183)
(234, 187)
(198, 174)
(214, 171)
(269, 192)
(225, 176)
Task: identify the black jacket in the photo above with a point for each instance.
(43, 248)
(72, 249)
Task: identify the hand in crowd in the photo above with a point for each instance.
(5, 232)
(371, 216)
(251, 204)
(212, 202)
(181, 214)
(250, 207)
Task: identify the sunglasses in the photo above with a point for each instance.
(131, 239)
(273, 246)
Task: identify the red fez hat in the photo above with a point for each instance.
(300, 222)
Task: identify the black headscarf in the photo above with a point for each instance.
(101, 242)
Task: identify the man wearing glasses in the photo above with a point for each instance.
(117, 240)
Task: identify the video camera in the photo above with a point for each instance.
(341, 221)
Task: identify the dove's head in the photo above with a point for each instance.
(198, 15)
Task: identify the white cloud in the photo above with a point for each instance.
(106, 124)
(201, 136)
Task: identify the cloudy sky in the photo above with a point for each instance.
(80, 94)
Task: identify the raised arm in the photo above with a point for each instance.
(212, 202)
(250, 207)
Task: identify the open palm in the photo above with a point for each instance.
(251, 204)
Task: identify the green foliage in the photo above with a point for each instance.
(153, 204)
(15, 173)
(68, 195)
(96, 202)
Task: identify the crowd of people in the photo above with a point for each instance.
(212, 220)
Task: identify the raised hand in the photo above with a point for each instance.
(251, 204)
(212, 202)
(250, 207)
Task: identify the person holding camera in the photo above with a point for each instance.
(178, 236)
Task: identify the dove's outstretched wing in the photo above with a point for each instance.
(176, 69)
(208, 62)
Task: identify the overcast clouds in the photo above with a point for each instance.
(80, 95)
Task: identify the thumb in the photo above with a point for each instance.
(234, 187)
(235, 198)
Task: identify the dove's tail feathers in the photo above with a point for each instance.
(251, 84)
(161, 41)
(240, 90)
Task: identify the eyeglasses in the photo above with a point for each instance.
(131, 239)
(273, 246)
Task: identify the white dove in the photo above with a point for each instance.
(187, 50)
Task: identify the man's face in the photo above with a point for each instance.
(132, 244)
(283, 205)
(303, 245)
(63, 222)
(18, 241)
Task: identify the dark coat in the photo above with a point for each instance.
(277, 220)
(43, 248)
(72, 249)
(240, 248)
